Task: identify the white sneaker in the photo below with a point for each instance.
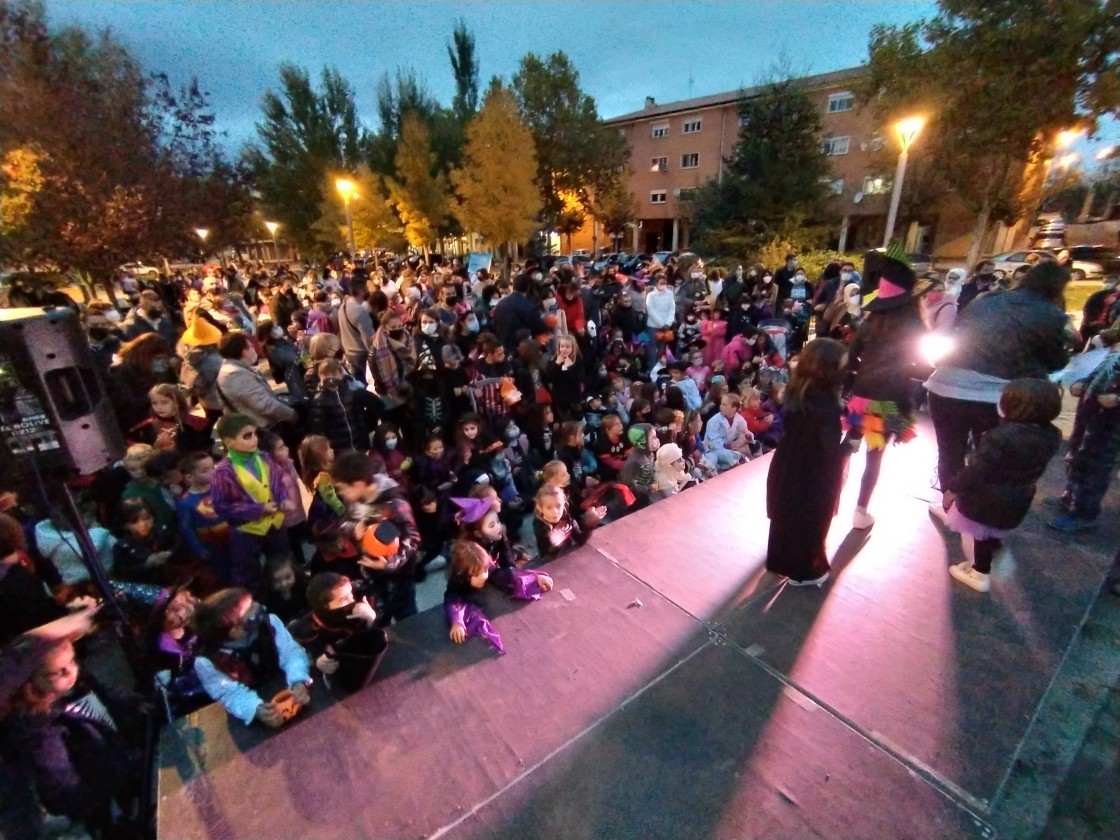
(862, 520)
(966, 574)
(814, 582)
(937, 510)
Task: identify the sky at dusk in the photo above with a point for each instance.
(623, 51)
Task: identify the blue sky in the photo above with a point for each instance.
(623, 51)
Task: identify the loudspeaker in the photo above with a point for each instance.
(53, 407)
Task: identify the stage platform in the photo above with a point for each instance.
(892, 702)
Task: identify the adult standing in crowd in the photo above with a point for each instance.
(143, 363)
(1005, 336)
(244, 390)
(516, 313)
(355, 328)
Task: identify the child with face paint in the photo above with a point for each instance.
(637, 473)
(472, 568)
(248, 492)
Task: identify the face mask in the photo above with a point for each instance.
(397, 334)
(550, 302)
(513, 433)
(430, 328)
(277, 332)
(336, 619)
(472, 325)
(845, 276)
(799, 278)
(98, 333)
(390, 443)
(112, 316)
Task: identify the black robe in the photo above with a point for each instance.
(803, 486)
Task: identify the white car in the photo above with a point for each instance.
(137, 269)
(1008, 261)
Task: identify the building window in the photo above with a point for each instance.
(876, 185)
(692, 126)
(658, 196)
(660, 129)
(835, 186)
(875, 144)
(836, 146)
(690, 161)
(742, 121)
(838, 102)
(659, 164)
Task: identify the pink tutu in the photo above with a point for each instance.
(963, 525)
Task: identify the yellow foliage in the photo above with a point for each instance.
(22, 178)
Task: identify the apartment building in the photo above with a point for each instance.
(678, 146)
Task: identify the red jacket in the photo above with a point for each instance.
(573, 313)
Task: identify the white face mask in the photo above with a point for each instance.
(390, 443)
(429, 328)
(549, 302)
(845, 276)
(112, 316)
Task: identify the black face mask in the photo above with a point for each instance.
(397, 334)
(336, 619)
(99, 333)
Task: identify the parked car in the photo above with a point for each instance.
(1093, 262)
(1008, 261)
(138, 269)
(1053, 238)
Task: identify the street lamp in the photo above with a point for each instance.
(907, 130)
(272, 228)
(345, 188)
(202, 233)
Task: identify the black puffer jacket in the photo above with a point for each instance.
(884, 362)
(997, 486)
(336, 416)
(1010, 335)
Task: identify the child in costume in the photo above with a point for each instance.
(372, 498)
(246, 654)
(341, 633)
(472, 568)
(480, 523)
(248, 492)
(295, 518)
(637, 472)
(205, 534)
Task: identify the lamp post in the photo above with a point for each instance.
(202, 233)
(345, 188)
(907, 130)
(272, 228)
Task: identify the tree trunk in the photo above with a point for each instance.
(979, 234)
(595, 239)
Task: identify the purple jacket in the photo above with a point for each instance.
(233, 503)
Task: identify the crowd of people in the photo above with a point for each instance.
(302, 450)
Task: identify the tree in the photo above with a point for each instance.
(575, 152)
(419, 191)
(375, 223)
(614, 207)
(976, 71)
(497, 193)
(775, 182)
(304, 135)
(465, 67)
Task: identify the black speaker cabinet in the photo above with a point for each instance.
(53, 406)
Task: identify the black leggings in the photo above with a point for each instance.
(985, 552)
